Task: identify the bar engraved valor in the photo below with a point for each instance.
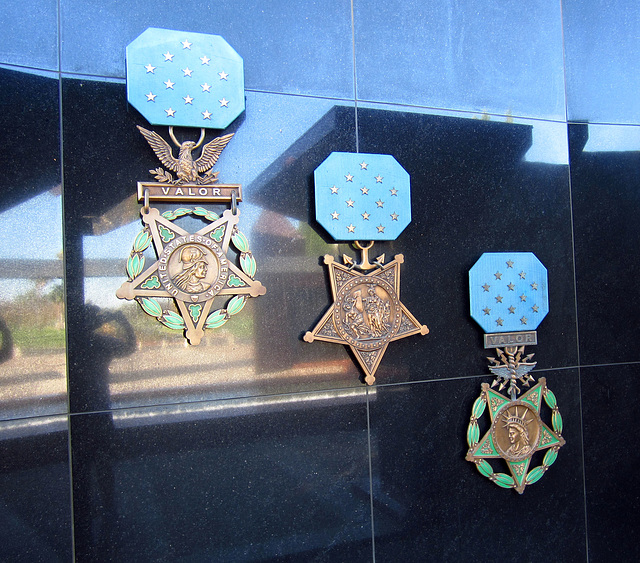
(509, 290)
(366, 313)
(192, 268)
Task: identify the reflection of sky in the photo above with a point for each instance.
(33, 229)
(618, 138)
(549, 142)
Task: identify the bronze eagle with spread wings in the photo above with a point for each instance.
(186, 168)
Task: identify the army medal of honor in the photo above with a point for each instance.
(364, 197)
(191, 268)
(509, 299)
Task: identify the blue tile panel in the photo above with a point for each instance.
(300, 47)
(475, 55)
(602, 41)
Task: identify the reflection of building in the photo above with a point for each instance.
(258, 446)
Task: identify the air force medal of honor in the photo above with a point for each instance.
(364, 197)
(509, 299)
(168, 82)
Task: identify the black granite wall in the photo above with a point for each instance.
(519, 124)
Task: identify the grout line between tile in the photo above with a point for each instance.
(373, 535)
(355, 78)
(575, 290)
(64, 280)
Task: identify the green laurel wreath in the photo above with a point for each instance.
(171, 319)
(502, 479)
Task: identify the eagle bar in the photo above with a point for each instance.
(497, 339)
(189, 192)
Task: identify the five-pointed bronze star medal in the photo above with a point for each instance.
(193, 269)
(517, 432)
(366, 313)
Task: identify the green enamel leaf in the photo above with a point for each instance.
(504, 480)
(216, 319)
(240, 242)
(556, 421)
(550, 457)
(534, 475)
(151, 306)
(236, 305)
(248, 264)
(172, 320)
(484, 468)
(151, 283)
(202, 212)
(135, 265)
(473, 433)
(181, 211)
(218, 234)
(194, 311)
(166, 234)
(478, 407)
(169, 215)
(234, 281)
(142, 241)
(550, 399)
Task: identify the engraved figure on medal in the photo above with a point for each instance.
(516, 431)
(367, 314)
(502, 284)
(199, 270)
(194, 269)
(215, 262)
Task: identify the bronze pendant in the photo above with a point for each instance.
(367, 313)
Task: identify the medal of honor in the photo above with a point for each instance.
(364, 197)
(509, 299)
(188, 80)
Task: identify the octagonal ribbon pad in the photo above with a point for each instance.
(185, 79)
(362, 197)
(508, 291)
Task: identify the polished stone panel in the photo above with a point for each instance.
(35, 512)
(241, 480)
(300, 47)
(476, 55)
(605, 184)
(601, 57)
(32, 353)
(429, 503)
(611, 457)
(29, 33)
(121, 357)
(477, 186)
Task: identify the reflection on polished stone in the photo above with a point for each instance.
(33, 379)
(305, 47)
(476, 56)
(237, 480)
(35, 519)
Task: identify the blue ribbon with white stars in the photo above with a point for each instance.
(363, 197)
(185, 79)
(508, 291)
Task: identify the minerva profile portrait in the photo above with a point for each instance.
(194, 270)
